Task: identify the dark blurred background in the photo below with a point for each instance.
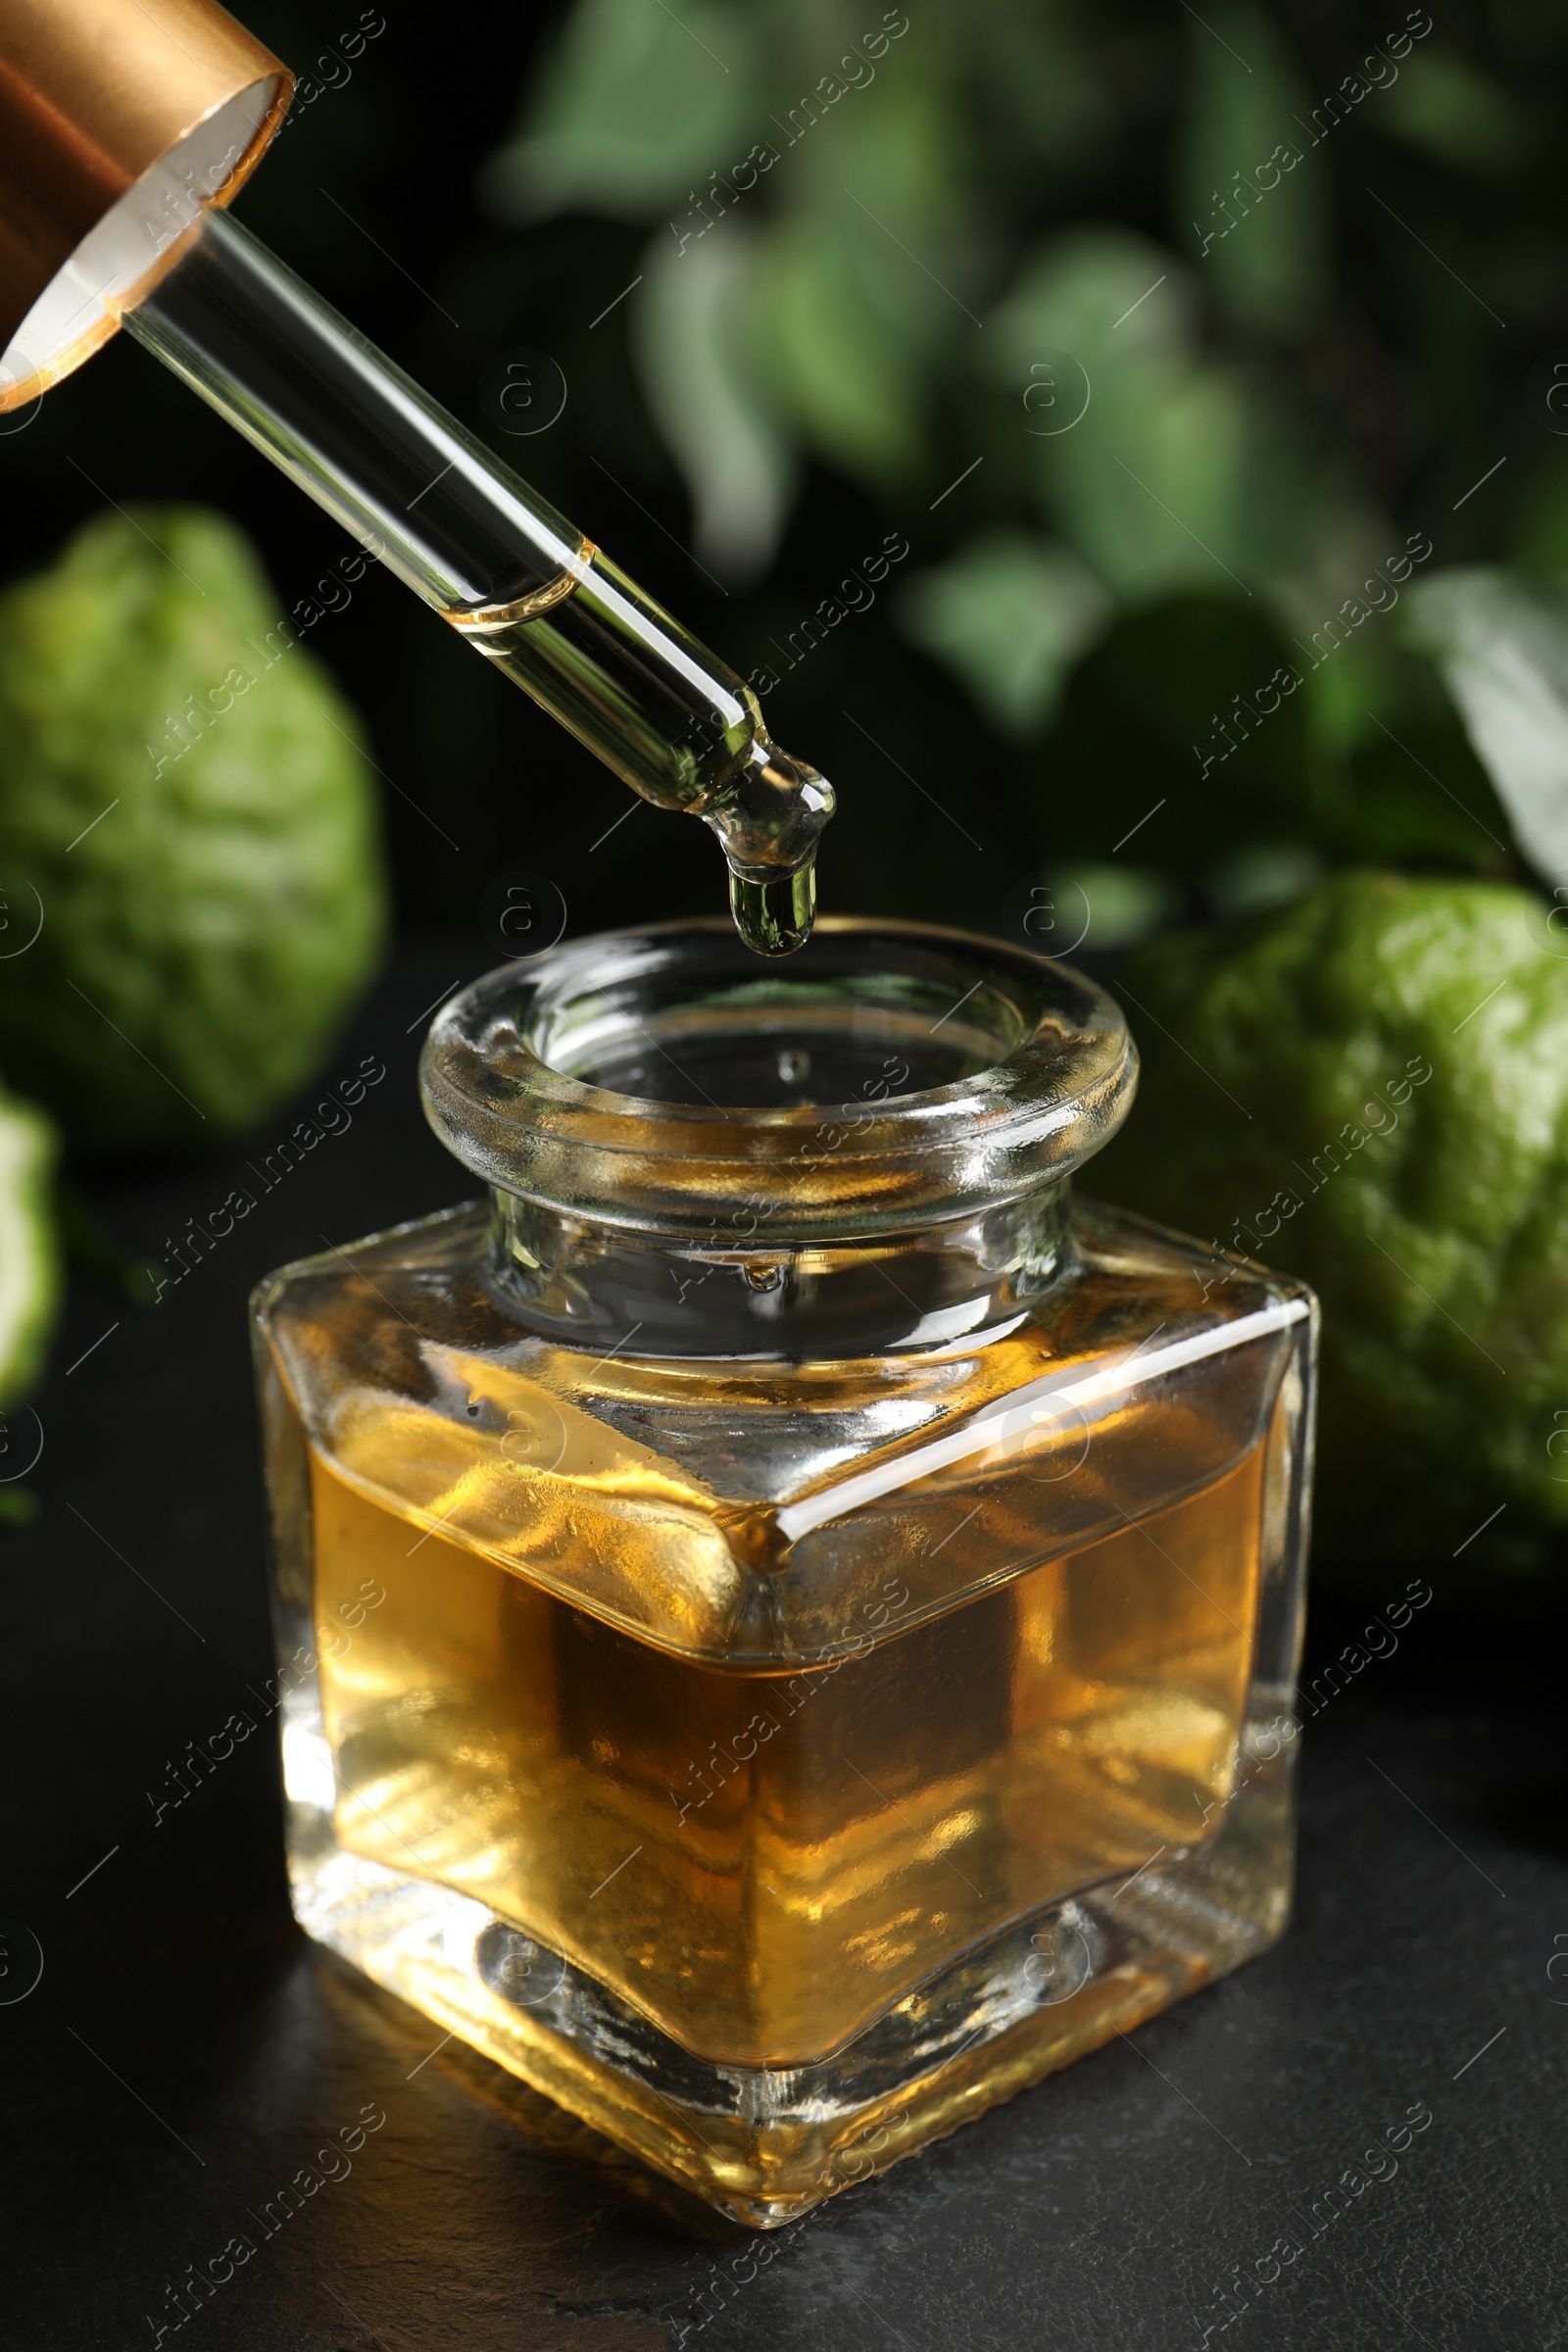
(886, 336)
(1035, 290)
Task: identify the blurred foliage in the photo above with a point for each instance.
(1164, 339)
(814, 278)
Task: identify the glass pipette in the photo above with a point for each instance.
(518, 581)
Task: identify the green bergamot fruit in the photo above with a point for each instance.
(1369, 1088)
(188, 817)
(31, 1269)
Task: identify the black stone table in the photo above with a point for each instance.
(186, 2052)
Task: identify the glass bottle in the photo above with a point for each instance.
(787, 1619)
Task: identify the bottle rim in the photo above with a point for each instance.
(1042, 1069)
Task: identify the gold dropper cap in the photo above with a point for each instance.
(119, 119)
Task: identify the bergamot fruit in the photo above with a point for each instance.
(1369, 1088)
(186, 813)
(31, 1270)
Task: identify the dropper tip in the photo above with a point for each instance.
(775, 917)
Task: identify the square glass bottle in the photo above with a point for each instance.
(787, 1620)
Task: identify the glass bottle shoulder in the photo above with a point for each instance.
(740, 1510)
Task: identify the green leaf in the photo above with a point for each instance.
(1179, 474)
(1537, 540)
(1257, 219)
(864, 277)
(1108, 296)
(1394, 779)
(1444, 104)
(837, 369)
(92, 1249)
(1173, 747)
(693, 345)
(635, 110)
(1268, 874)
(1044, 81)
(1009, 614)
(1107, 906)
(1502, 645)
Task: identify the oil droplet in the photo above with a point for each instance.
(775, 919)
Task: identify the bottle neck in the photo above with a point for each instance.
(590, 1284)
